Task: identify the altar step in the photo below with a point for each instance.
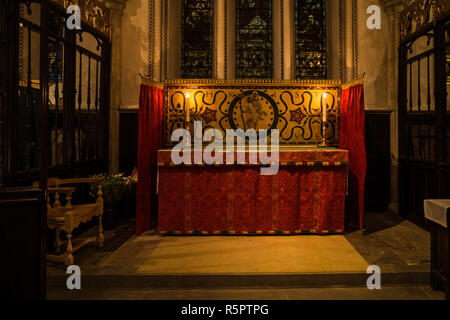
(196, 281)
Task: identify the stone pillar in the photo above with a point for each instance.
(333, 40)
(277, 39)
(219, 40)
(117, 7)
(230, 39)
(154, 63)
(164, 50)
(348, 41)
(289, 39)
(173, 39)
(393, 9)
(283, 21)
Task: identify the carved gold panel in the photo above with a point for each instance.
(293, 107)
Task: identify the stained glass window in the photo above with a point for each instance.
(197, 39)
(310, 43)
(254, 39)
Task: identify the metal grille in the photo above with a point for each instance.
(310, 40)
(88, 104)
(420, 98)
(254, 39)
(423, 112)
(78, 91)
(197, 39)
(27, 118)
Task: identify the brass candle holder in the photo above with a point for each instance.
(187, 119)
(324, 135)
(324, 121)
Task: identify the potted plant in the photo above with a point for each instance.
(113, 189)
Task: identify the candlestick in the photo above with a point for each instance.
(188, 107)
(324, 122)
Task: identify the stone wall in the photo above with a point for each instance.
(134, 51)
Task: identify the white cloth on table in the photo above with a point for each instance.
(436, 211)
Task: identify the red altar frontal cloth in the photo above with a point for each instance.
(307, 195)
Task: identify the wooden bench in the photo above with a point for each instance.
(69, 217)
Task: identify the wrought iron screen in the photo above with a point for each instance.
(78, 95)
(27, 114)
(424, 108)
(197, 39)
(310, 39)
(254, 39)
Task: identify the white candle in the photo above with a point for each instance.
(188, 107)
(324, 112)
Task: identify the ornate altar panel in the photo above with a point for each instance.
(292, 107)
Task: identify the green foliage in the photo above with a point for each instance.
(113, 185)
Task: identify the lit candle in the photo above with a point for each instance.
(324, 112)
(188, 107)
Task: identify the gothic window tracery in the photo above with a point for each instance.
(310, 39)
(197, 39)
(254, 39)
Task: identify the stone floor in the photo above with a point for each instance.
(393, 244)
(399, 247)
(386, 293)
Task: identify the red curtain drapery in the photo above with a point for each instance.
(352, 138)
(151, 107)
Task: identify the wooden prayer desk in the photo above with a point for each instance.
(438, 213)
(306, 196)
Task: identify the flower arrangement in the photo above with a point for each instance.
(114, 185)
(119, 197)
(130, 181)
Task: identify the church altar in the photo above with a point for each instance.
(307, 195)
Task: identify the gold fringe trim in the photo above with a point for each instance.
(246, 233)
(353, 83)
(255, 82)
